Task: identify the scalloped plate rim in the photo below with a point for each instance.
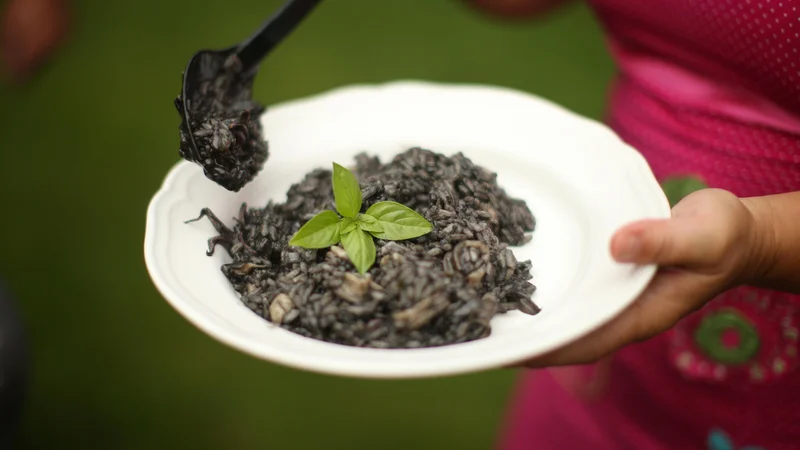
(166, 195)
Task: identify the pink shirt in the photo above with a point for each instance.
(711, 89)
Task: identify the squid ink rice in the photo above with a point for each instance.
(441, 288)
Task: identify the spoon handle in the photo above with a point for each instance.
(273, 31)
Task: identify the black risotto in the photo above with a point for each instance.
(441, 288)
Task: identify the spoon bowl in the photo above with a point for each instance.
(220, 122)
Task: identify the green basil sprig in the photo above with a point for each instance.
(384, 220)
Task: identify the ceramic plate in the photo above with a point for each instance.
(579, 179)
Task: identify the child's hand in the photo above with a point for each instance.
(708, 246)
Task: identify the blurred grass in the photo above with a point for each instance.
(88, 142)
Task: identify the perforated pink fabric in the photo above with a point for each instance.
(711, 87)
(706, 88)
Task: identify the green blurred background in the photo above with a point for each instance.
(88, 142)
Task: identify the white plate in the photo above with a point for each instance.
(579, 179)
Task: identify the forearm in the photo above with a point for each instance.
(776, 241)
(515, 9)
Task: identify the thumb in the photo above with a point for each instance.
(680, 241)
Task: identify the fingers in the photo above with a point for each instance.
(701, 240)
(670, 297)
(681, 242)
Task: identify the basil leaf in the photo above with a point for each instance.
(346, 192)
(360, 248)
(320, 232)
(399, 222)
(369, 223)
(348, 225)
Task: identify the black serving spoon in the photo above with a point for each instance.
(220, 128)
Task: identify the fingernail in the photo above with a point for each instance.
(629, 249)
